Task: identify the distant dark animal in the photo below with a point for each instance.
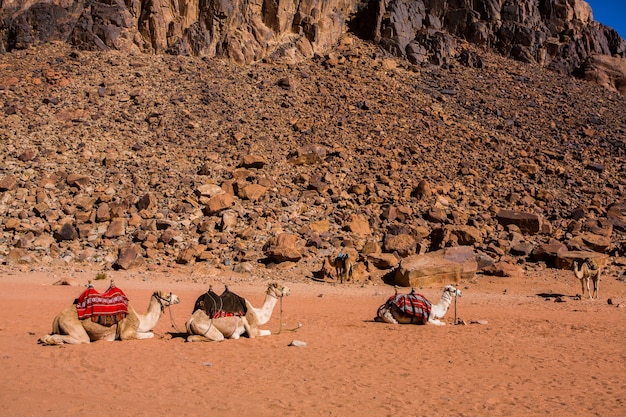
(343, 266)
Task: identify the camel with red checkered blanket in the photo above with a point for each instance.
(414, 308)
(219, 324)
(82, 322)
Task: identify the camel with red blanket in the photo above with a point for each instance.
(414, 308)
(229, 316)
(107, 316)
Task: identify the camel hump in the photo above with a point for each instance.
(228, 302)
(413, 305)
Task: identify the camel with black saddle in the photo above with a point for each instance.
(229, 316)
(106, 316)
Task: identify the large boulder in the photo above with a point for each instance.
(282, 248)
(566, 259)
(445, 266)
(608, 71)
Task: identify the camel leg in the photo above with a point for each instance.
(596, 285)
(588, 290)
(435, 322)
(582, 284)
(388, 317)
(59, 339)
(66, 328)
(202, 332)
(198, 338)
(141, 335)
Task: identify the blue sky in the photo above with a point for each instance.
(611, 13)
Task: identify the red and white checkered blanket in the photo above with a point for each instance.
(108, 307)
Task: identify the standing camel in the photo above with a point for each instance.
(203, 328)
(589, 270)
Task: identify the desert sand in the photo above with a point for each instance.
(520, 353)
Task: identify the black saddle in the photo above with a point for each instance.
(227, 303)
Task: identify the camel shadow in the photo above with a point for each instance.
(557, 297)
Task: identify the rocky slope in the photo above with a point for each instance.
(141, 161)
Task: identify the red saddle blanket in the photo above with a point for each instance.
(415, 305)
(105, 308)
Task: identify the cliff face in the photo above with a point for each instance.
(559, 34)
(239, 30)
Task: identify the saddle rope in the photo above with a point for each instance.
(214, 306)
(169, 304)
(280, 317)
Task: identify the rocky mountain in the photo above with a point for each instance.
(381, 130)
(558, 34)
(131, 160)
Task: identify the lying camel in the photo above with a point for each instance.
(68, 328)
(416, 309)
(589, 270)
(202, 328)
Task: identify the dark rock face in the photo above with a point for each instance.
(558, 34)
(237, 30)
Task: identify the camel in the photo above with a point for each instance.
(68, 328)
(420, 310)
(589, 270)
(343, 266)
(202, 328)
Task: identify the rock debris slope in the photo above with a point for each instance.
(129, 160)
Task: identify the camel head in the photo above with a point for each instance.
(166, 298)
(453, 291)
(277, 290)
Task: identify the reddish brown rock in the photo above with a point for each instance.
(219, 202)
(616, 215)
(8, 183)
(590, 241)
(566, 259)
(283, 247)
(441, 267)
(359, 225)
(129, 258)
(403, 244)
(252, 161)
(78, 180)
(116, 228)
(504, 270)
(527, 222)
(383, 260)
(252, 192)
(66, 232)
